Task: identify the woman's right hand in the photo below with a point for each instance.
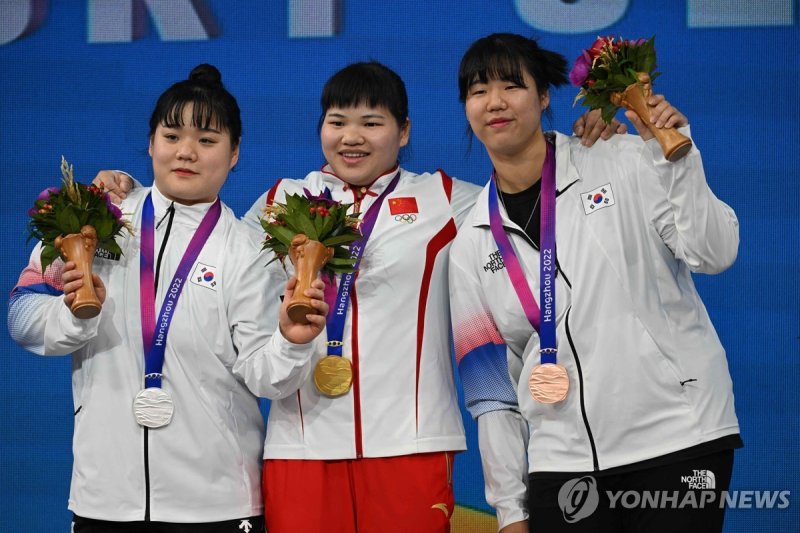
(116, 184)
(303, 333)
(73, 280)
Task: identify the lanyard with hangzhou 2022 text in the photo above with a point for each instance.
(549, 382)
(153, 406)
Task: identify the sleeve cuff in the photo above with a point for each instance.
(510, 512)
(298, 353)
(658, 153)
(74, 326)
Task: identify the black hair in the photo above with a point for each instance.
(368, 83)
(502, 56)
(213, 105)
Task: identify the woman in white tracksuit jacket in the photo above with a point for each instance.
(650, 398)
(226, 344)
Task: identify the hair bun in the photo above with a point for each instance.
(207, 73)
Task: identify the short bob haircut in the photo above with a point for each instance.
(213, 106)
(368, 83)
(502, 56)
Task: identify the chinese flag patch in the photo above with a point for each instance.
(403, 205)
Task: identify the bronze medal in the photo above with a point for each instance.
(549, 383)
(333, 376)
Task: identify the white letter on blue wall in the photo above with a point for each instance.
(314, 18)
(20, 18)
(724, 13)
(570, 16)
(122, 21)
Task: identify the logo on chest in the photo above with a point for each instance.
(495, 262)
(205, 276)
(100, 253)
(597, 199)
(404, 209)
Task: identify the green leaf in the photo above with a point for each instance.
(284, 235)
(341, 261)
(307, 227)
(67, 220)
(341, 239)
(104, 228)
(328, 223)
(112, 246)
(49, 254)
(318, 223)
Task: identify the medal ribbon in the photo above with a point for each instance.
(154, 339)
(542, 320)
(338, 311)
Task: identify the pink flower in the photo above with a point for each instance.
(580, 71)
(45, 194)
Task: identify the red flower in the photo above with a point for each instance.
(597, 47)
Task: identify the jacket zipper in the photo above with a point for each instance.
(595, 461)
(171, 213)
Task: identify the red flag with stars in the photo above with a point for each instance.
(403, 205)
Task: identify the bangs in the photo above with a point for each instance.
(488, 61)
(355, 92)
(495, 68)
(370, 84)
(204, 115)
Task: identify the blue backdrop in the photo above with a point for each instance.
(81, 78)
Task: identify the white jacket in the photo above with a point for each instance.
(397, 335)
(205, 465)
(648, 375)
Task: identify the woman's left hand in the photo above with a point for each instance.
(303, 333)
(590, 127)
(662, 115)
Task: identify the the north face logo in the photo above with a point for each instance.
(495, 262)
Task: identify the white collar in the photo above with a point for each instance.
(187, 215)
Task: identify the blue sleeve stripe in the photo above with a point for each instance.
(485, 380)
(37, 288)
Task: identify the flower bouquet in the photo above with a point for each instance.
(616, 73)
(315, 232)
(71, 222)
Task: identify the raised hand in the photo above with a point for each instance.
(662, 115)
(590, 127)
(116, 184)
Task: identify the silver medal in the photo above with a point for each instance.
(153, 407)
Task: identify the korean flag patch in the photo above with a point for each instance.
(597, 199)
(205, 276)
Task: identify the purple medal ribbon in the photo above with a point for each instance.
(154, 339)
(338, 311)
(543, 321)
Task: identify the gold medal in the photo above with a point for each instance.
(549, 383)
(333, 376)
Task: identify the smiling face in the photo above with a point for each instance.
(506, 116)
(361, 143)
(191, 164)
